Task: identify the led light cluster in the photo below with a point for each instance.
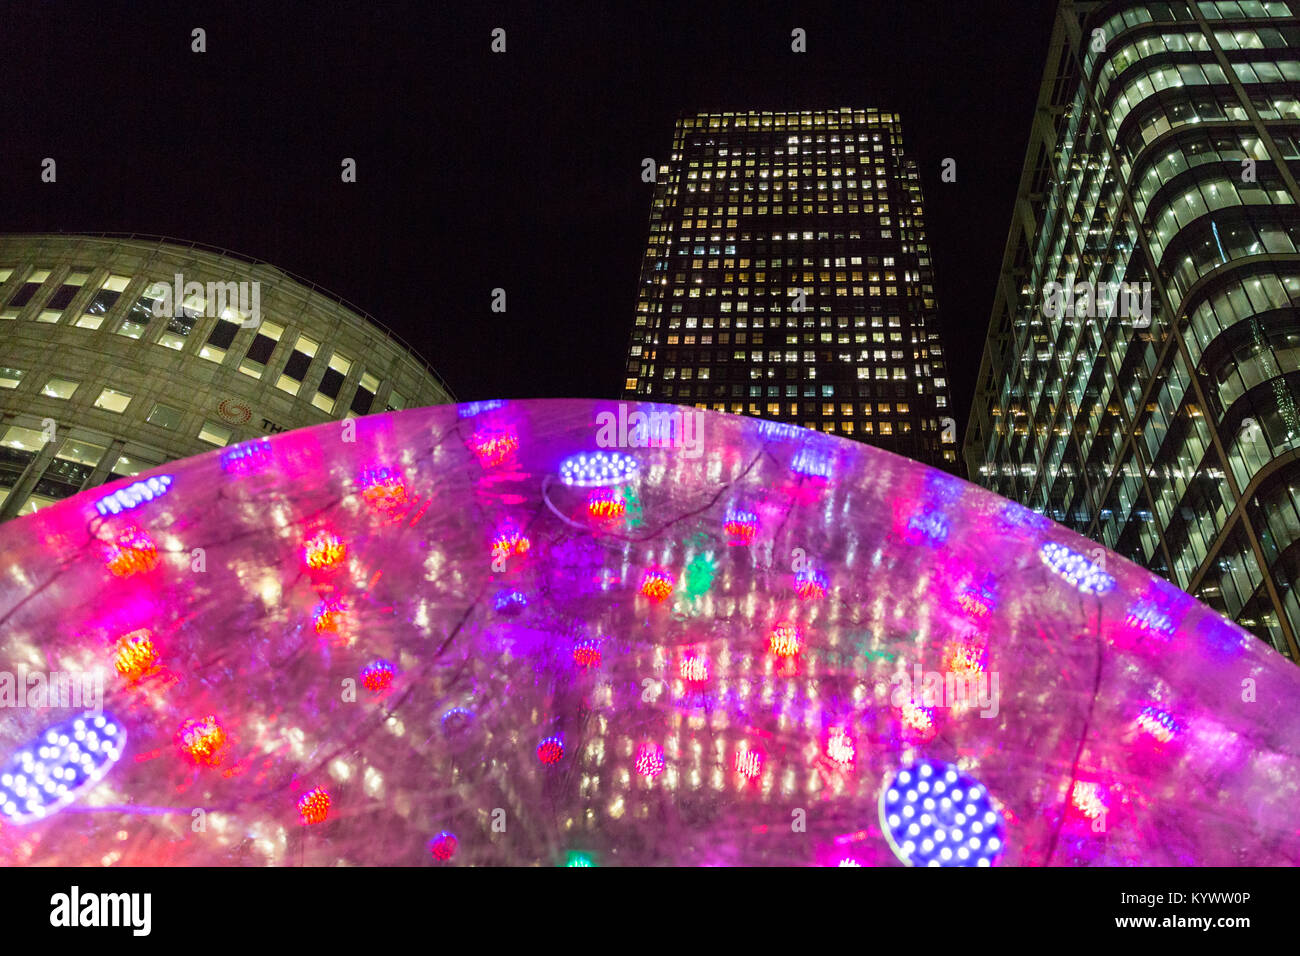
(811, 585)
(328, 616)
(1075, 568)
(59, 766)
(604, 505)
(384, 490)
(134, 495)
(787, 639)
(1087, 798)
(202, 740)
(839, 746)
(494, 446)
(749, 763)
(694, 669)
(135, 656)
(592, 469)
(510, 542)
(935, 815)
(586, 653)
(377, 677)
(657, 585)
(133, 552)
(740, 526)
(247, 457)
(650, 760)
(443, 846)
(927, 528)
(510, 602)
(325, 550)
(470, 409)
(550, 751)
(314, 806)
(812, 464)
(1147, 617)
(1158, 723)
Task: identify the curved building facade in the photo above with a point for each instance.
(118, 354)
(1163, 162)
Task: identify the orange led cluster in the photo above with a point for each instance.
(325, 550)
(314, 806)
(135, 655)
(202, 740)
(133, 552)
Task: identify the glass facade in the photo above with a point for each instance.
(788, 277)
(1163, 158)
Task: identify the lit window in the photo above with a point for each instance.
(396, 401)
(10, 377)
(215, 434)
(103, 301)
(59, 388)
(223, 333)
(164, 416)
(332, 381)
(295, 369)
(259, 353)
(128, 465)
(365, 394)
(112, 400)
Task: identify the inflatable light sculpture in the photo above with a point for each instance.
(367, 651)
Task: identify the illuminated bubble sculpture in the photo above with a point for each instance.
(697, 638)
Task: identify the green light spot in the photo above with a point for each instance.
(575, 858)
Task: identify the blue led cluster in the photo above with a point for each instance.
(510, 602)
(927, 527)
(780, 430)
(598, 468)
(64, 762)
(1018, 516)
(470, 409)
(134, 495)
(812, 464)
(246, 456)
(1075, 568)
(935, 815)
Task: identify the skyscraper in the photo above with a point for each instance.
(787, 276)
(1161, 174)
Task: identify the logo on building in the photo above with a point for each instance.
(237, 413)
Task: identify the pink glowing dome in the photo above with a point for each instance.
(558, 632)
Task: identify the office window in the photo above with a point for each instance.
(112, 400)
(25, 293)
(223, 333)
(69, 470)
(365, 394)
(295, 369)
(138, 317)
(397, 401)
(128, 465)
(331, 382)
(103, 302)
(59, 388)
(62, 298)
(10, 377)
(215, 434)
(259, 353)
(164, 416)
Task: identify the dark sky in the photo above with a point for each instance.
(477, 170)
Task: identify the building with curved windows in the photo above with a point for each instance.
(120, 353)
(1163, 160)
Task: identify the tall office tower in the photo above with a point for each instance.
(788, 277)
(1163, 161)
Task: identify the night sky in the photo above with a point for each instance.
(478, 170)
